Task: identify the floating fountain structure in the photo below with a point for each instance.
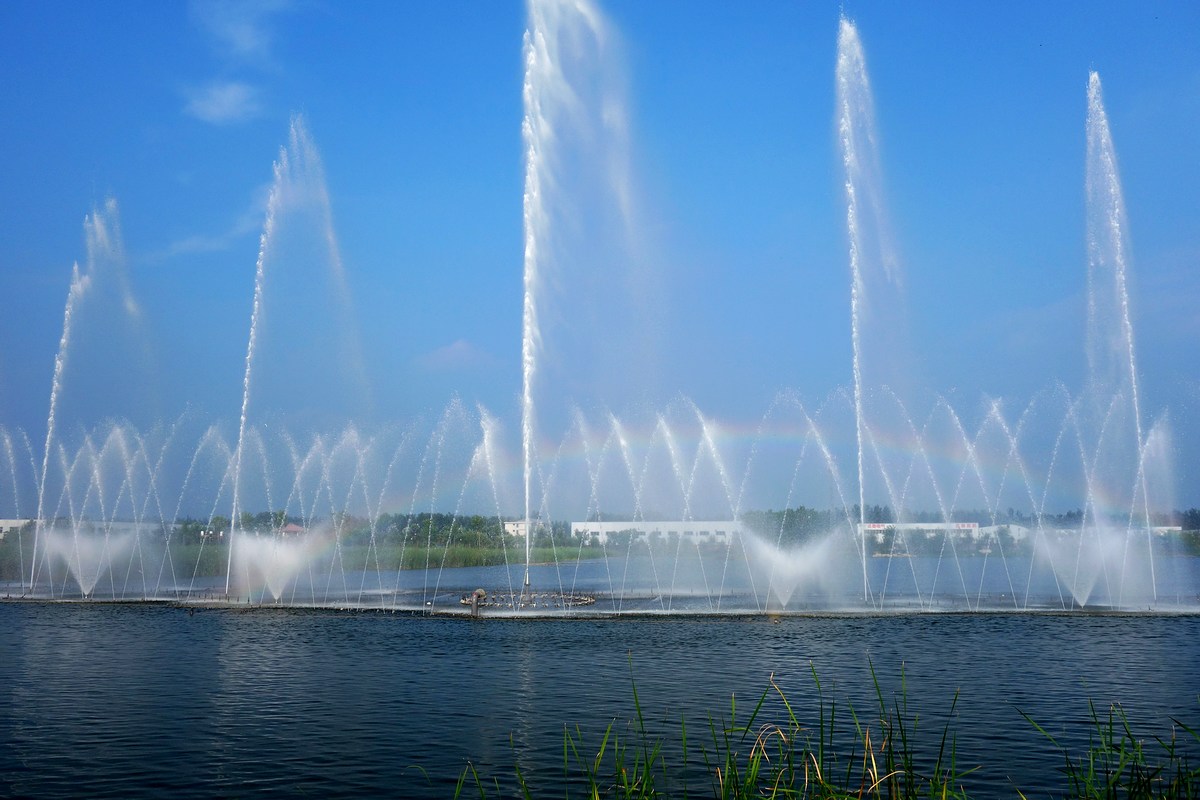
(667, 505)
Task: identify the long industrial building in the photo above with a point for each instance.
(697, 531)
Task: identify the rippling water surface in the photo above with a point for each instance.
(106, 700)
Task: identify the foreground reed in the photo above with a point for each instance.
(1118, 764)
(844, 755)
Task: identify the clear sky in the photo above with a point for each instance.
(741, 287)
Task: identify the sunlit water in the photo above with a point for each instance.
(126, 701)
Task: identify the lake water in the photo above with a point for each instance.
(145, 700)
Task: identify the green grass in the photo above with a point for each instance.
(210, 560)
(420, 556)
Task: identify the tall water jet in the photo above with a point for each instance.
(860, 162)
(559, 30)
(1112, 364)
(533, 130)
(300, 267)
(1110, 349)
(105, 252)
(79, 286)
(264, 243)
(110, 349)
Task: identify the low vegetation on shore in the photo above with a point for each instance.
(770, 752)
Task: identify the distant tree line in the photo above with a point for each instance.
(191, 530)
(1189, 520)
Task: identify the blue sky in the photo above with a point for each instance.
(179, 110)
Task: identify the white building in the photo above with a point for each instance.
(516, 528)
(695, 532)
(878, 530)
(8, 526)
